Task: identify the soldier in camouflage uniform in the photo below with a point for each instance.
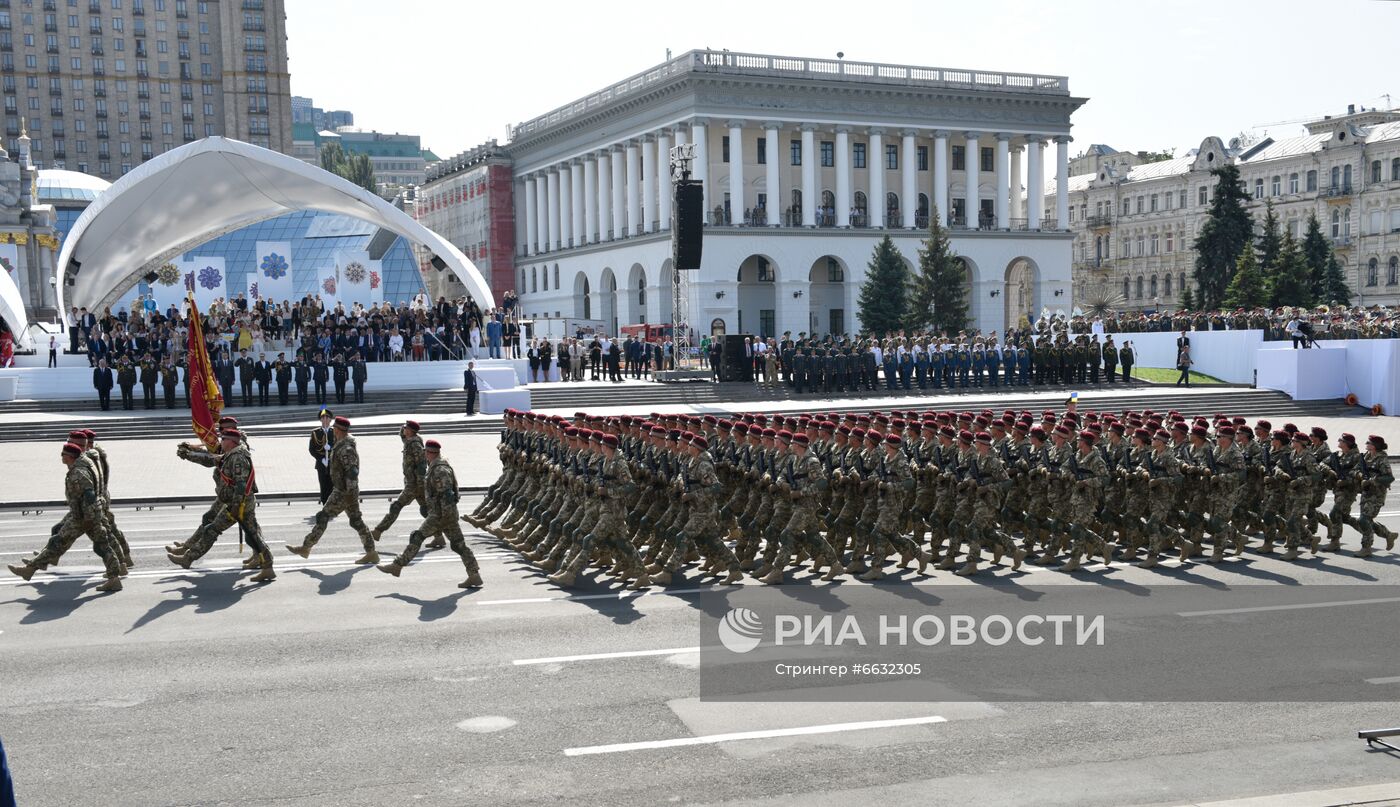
(236, 503)
(441, 497)
(1349, 476)
(344, 498)
(1255, 453)
(1137, 496)
(1163, 467)
(990, 482)
(804, 483)
(1226, 483)
(1377, 478)
(415, 470)
(84, 516)
(1088, 474)
(699, 486)
(109, 523)
(1322, 458)
(895, 484)
(1295, 471)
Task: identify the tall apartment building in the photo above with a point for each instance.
(101, 86)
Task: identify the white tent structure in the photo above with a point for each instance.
(206, 189)
(12, 310)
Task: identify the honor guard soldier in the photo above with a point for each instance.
(345, 496)
(442, 495)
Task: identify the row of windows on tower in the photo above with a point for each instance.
(859, 155)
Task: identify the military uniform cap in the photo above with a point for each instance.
(1142, 434)
(1087, 436)
(412, 424)
(874, 436)
(1319, 432)
(1239, 421)
(741, 428)
(1290, 428)
(228, 419)
(342, 422)
(1200, 431)
(1377, 441)
(947, 431)
(570, 431)
(673, 434)
(1064, 431)
(966, 436)
(828, 426)
(893, 440)
(1347, 438)
(1225, 431)
(1281, 436)
(72, 450)
(327, 413)
(610, 440)
(801, 439)
(432, 445)
(1299, 437)
(658, 431)
(725, 424)
(770, 433)
(1115, 426)
(984, 437)
(1162, 435)
(1265, 425)
(232, 434)
(77, 436)
(858, 433)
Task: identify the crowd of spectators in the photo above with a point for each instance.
(1325, 322)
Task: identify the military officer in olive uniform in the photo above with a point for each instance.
(236, 491)
(415, 471)
(345, 496)
(442, 495)
(82, 491)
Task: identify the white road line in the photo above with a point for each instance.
(1295, 607)
(1395, 679)
(669, 651)
(711, 739)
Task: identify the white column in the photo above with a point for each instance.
(1003, 181)
(843, 176)
(576, 205)
(972, 162)
(1035, 180)
(909, 188)
(809, 178)
(566, 207)
(648, 184)
(875, 158)
(532, 222)
(605, 205)
(590, 200)
(542, 211)
(663, 181)
(700, 170)
(552, 207)
(1062, 181)
(633, 168)
(736, 172)
(619, 192)
(1018, 208)
(772, 185)
(940, 174)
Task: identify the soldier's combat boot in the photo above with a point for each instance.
(641, 582)
(24, 570)
(375, 533)
(265, 575)
(1016, 558)
(183, 561)
(392, 568)
(1148, 562)
(1106, 551)
(857, 566)
(1334, 545)
(473, 581)
(111, 584)
(303, 550)
(968, 569)
(1071, 565)
(948, 562)
(774, 577)
(563, 578)
(1313, 544)
(1048, 559)
(1268, 547)
(874, 573)
(661, 578)
(834, 572)
(176, 548)
(1217, 553)
(1389, 536)
(1186, 550)
(924, 560)
(548, 565)
(734, 577)
(370, 558)
(1291, 554)
(1363, 552)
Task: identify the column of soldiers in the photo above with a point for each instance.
(642, 497)
(903, 363)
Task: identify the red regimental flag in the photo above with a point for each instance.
(206, 401)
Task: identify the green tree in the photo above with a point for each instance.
(1292, 286)
(1269, 244)
(884, 301)
(1187, 301)
(937, 298)
(1227, 228)
(1316, 254)
(354, 167)
(1247, 289)
(1157, 156)
(1335, 288)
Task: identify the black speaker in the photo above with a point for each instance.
(734, 365)
(688, 224)
(438, 263)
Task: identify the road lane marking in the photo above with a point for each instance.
(599, 656)
(1294, 607)
(1395, 679)
(711, 739)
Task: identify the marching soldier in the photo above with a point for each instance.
(81, 490)
(98, 457)
(236, 503)
(345, 496)
(415, 471)
(442, 495)
(1376, 480)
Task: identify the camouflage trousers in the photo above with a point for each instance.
(1371, 504)
(702, 532)
(444, 522)
(342, 500)
(803, 530)
(118, 539)
(984, 530)
(1083, 537)
(1296, 503)
(887, 535)
(1342, 501)
(409, 495)
(223, 517)
(67, 531)
(609, 535)
(1221, 503)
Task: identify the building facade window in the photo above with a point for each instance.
(1312, 181)
(1276, 186)
(1167, 285)
(724, 149)
(1293, 183)
(1372, 272)
(1375, 170)
(1139, 287)
(1258, 189)
(828, 154)
(795, 152)
(922, 153)
(959, 158)
(1392, 271)
(891, 158)
(1202, 195)
(761, 151)
(858, 155)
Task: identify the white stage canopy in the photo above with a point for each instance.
(205, 189)
(12, 309)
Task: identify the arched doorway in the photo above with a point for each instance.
(607, 303)
(636, 296)
(665, 294)
(826, 297)
(1020, 293)
(757, 278)
(583, 300)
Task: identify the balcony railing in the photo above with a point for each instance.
(1099, 221)
(1337, 190)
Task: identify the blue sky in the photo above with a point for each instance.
(1157, 74)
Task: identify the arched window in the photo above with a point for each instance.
(1276, 185)
(891, 209)
(1181, 282)
(1125, 288)
(1312, 180)
(1139, 287)
(556, 275)
(1375, 170)
(922, 213)
(716, 327)
(1346, 222)
(587, 301)
(795, 211)
(859, 213)
(1098, 249)
(1293, 183)
(826, 214)
(1336, 223)
(1392, 271)
(1258, 189)
(642, 291)
(1154, 286)
(1346, 177)
(1336, 177)
(534, 279)
(1395, 170)
(544, 279)
(522, 280)
(1167, 285)
(1373, 272)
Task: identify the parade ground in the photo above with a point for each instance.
(341, 685)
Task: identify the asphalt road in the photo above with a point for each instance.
(338, 685)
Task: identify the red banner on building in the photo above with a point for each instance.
(206, 401)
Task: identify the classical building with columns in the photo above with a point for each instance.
(806, 164)
(1135, 225)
